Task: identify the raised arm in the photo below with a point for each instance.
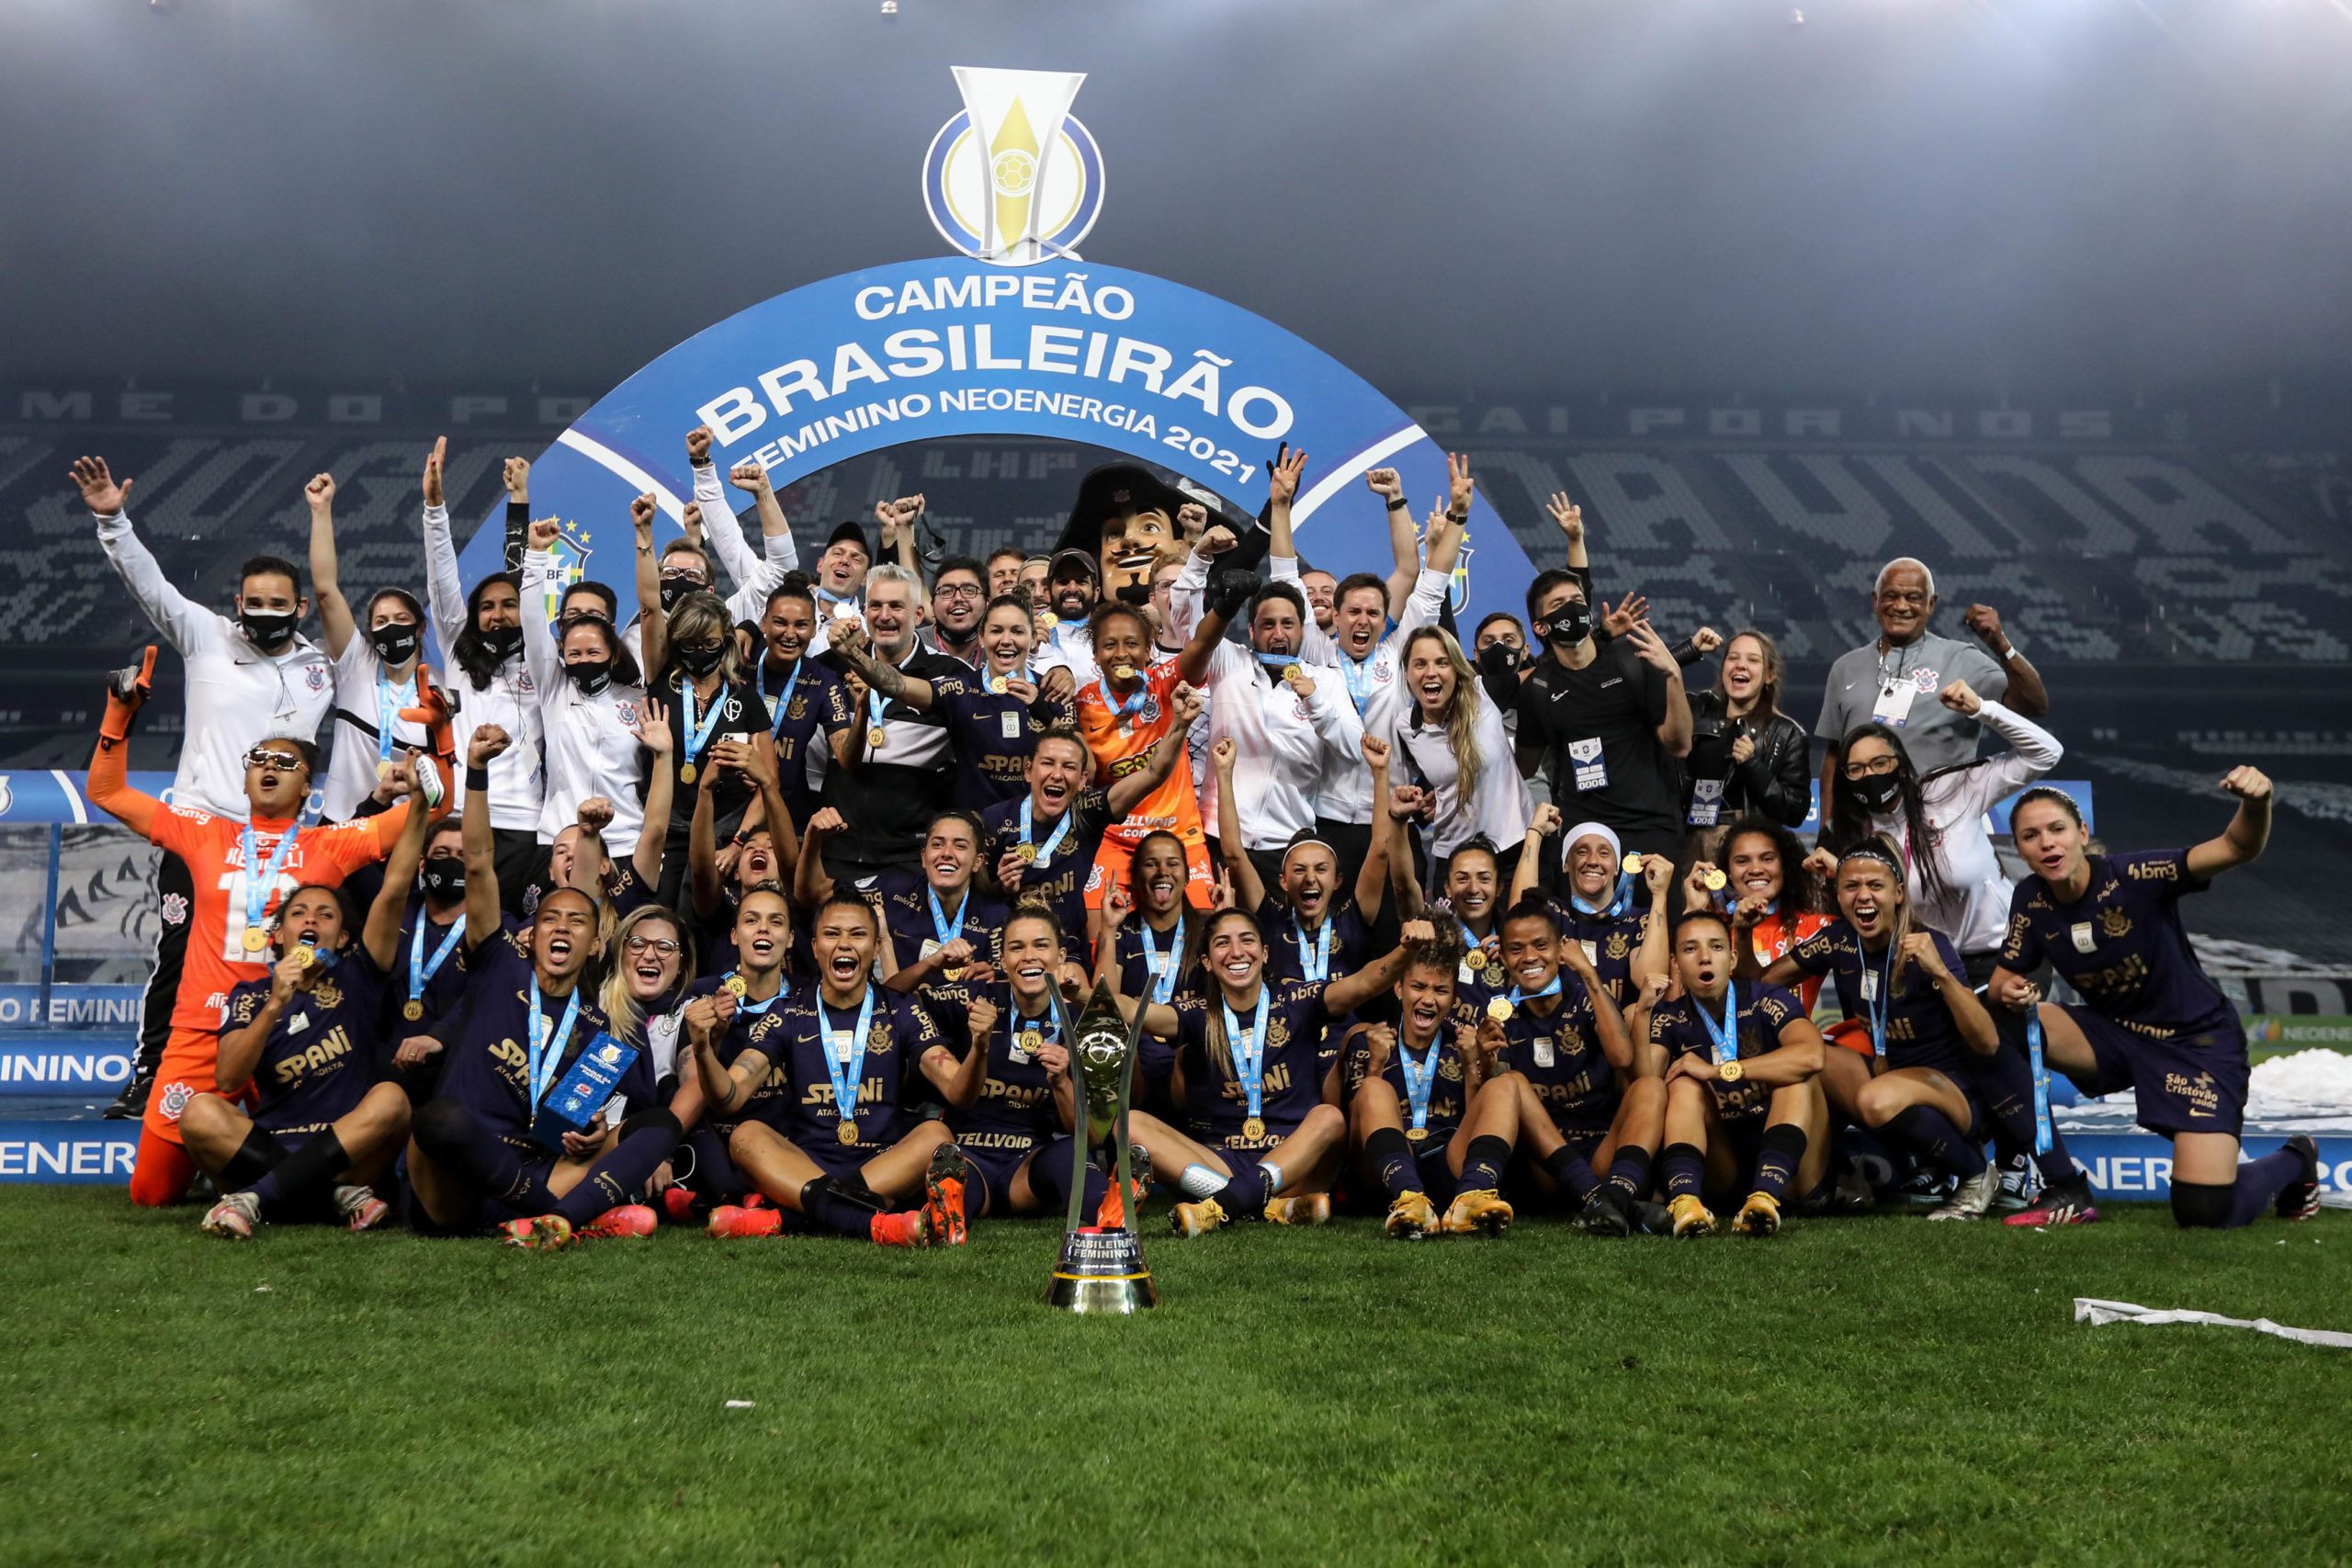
(108, 781)
(334, 611)
(1410, 904)
(1349, 992)
(444, 590)
(775, 530)
(1249, 887)
(810, 884)
(2026, 694)
(848, 639)
(1570, 517)
(725, 543)
(540, 652)
(1371, 879)
(1542, 825)
(1404, 543)
(1674, 728)
(481, 845)
(183, 625)
(652, 731)
(1651, 957)
(2249, 829)
(652, 628)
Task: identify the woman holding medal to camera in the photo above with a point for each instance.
(1150, 936)
(1261, 1113)
(935, 919)
(478, 1153)
(711, 698)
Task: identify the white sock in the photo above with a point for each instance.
(1274, 1177)
(1200, 1181)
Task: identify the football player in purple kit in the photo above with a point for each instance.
(838, 1142)
(2150, 1019)
(324, 1130)
(1941, 1081)
(1740, 1090)
(1566, 1084)
(1003, 1071)
(938, 918)
(1407, 1087)
(1262, 1110)
(1624, 942)
(1317, 931)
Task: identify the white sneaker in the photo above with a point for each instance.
(1975, 1196)
(359, 1206)
(234, 1216)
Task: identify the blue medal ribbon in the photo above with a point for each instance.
(946, 932)
(1122, 708)
(745, 1004)
(1725, 1035)
(547, 1055)
(781, 705)
(1047, 1025)
(1420, 1079)
(1044, 850)
(844, 1073)
(257, 887)
(1518, 995)
(697, 735)
(1162, 965)
(1357, 672)
(2043, 1138)
(1876, 1004)
(420, 972)
(390, 700)
(1318, 968)
(1278, 662)
(1616, 899)
(876, 705)
(1249, 1067)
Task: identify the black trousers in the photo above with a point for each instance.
(177, 889)
(520, 860)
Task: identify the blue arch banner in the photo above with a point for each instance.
(1065, 350)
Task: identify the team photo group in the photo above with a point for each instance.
(755, 894)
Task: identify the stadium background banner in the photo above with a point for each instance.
(924, 350)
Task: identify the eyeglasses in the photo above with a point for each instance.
(1879, 766)
(660, 944)
(957, 591)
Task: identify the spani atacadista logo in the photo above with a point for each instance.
(1014, 179)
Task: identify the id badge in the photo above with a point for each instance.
(2084, 941)
(1589, 769)
(1706, 801)
(1010, 721)
(1894, 704)
(1543, 1054)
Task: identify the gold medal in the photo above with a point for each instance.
(1048, 620)
(253, 939)
(954, 973)
(737, 987)
(1026, 854)
(415, 1011)
(1476, 959)
(1498, 1009)
(306, 955)
(1417, 1133)
(384, 768)
(1031, 1041)
(1631, 865)
(1730, 1071)
(1253, 1129)
(1293, 671)
(686, 773)
(847, 1131)
(1123, 671)
(1714, 881)
(997, 684)
(875, 738)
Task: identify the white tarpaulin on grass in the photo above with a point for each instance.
(2097, 1312)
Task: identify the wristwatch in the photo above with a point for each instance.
(1730, 1071)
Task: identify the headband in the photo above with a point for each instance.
(1866, 851)
(1303, 843)
(1589, 830)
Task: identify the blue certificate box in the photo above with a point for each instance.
(583, 1091)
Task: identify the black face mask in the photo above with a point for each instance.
(591, 675)
(677, 588)
(701, 661)
(1570, 625)
(444, 875)
(395, 644)
(503, 642)
(269, 633)
(1876, 791)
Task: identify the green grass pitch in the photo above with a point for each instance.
(1867, 1392)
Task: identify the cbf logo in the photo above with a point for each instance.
(1014, 179)
(1458, 590)
(572, 553)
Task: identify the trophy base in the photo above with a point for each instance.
(1102, 1271)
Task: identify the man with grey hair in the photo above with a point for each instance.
(893, 772)
(1893, 680)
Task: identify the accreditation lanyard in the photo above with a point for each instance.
(1162, 965)
(781, 705)
(257, 885)
(1123, 709)
(1044, 850)
(390, 700)
(2043, 1136)
(939, 923)
(1357, 672)
(546, 1055)
(1420, 1079)
(1876, 985)
(1725, 1035)
(420, 972)
(1319, 967)
(844, 1054)
(698, 735)
(1250, 1065)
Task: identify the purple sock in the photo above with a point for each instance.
(1931, 1132)
(1784, 1148)
(298, 1184)
(1630, 1172)
(620, 1176)
(2260, 1184)
(1686, 1168)
(1246, 1193)
(1571, 1172)
(1483, 1162)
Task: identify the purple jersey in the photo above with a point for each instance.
(439, 992)
(818, 709)
(1288, 946)
(1060, 877)
(1919, 1028)
(2121, 945)
(1291, 1083)
(1015, 1113)
(887, 1062)
(320, 1059)
(1764, 1012)
(904, 897)
(1559, 1054)
(1610, 942)
(993, 735)
(489, 1068)
(1135, 966)
(758, 1030)
(1447, 1090)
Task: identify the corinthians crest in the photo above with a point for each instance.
(1014, 179)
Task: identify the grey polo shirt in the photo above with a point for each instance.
(1934, 734)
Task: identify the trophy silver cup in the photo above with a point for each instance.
(1100, 1268)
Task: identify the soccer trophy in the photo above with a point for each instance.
(1101, 1265)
